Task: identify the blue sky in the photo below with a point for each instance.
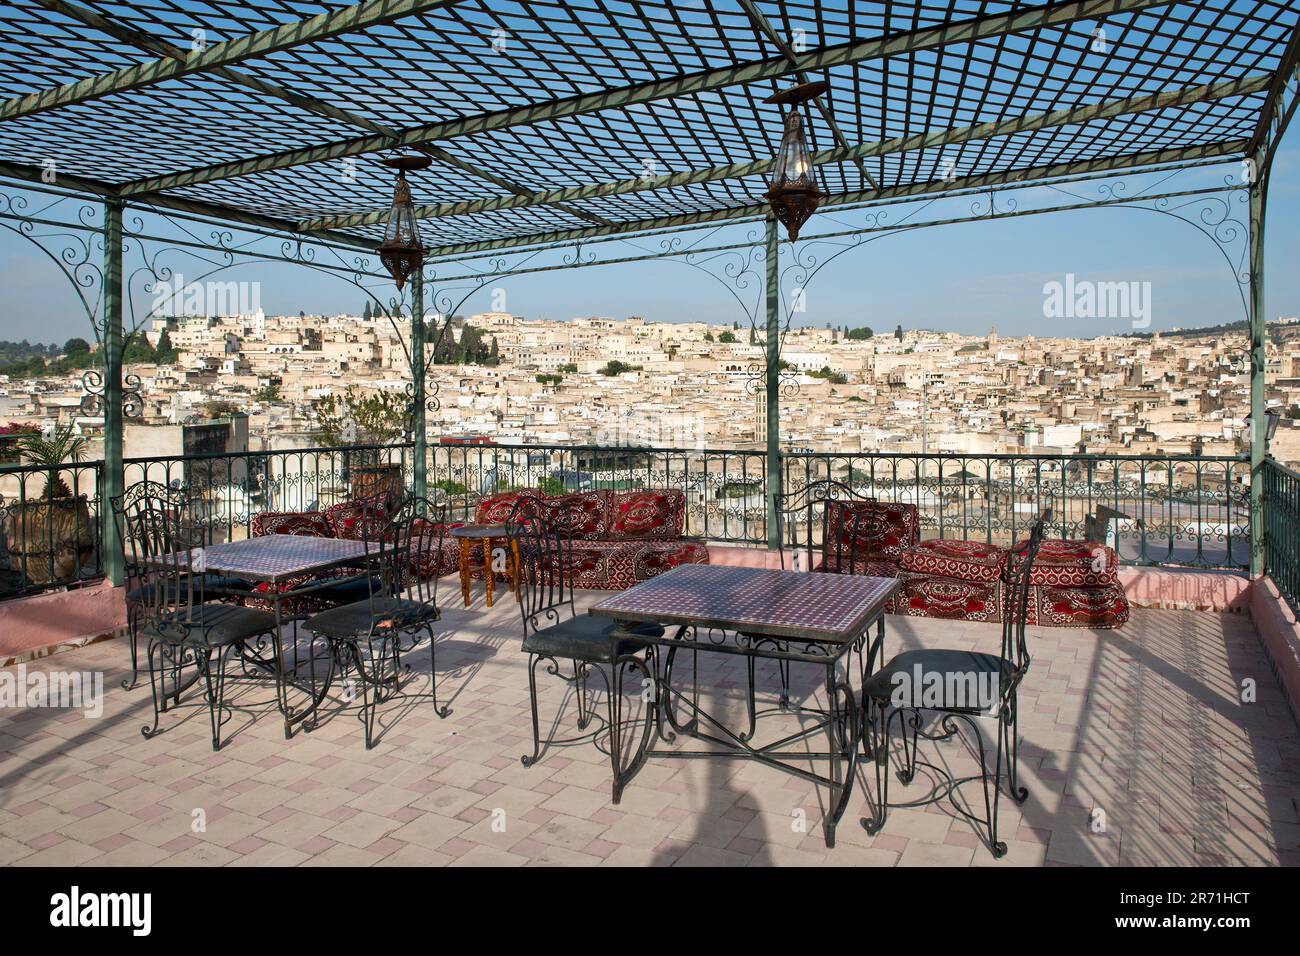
(965, 278)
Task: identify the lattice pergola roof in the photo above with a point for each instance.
(552, 120)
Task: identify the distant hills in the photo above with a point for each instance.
(1286, 326)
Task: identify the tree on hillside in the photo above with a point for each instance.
(75, 346)
(166, 352)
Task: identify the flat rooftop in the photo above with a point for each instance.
(1137, 749)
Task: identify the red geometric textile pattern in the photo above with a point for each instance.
(923, 595)
(870, 529)
(645, 515)
(350, 519)
(584, 515)
(495, 509)
(1103, 607)
(657, 558)
(312, 524)
(427, 559)
(964, 560)
(883, 568)
(1074, 564)
(590, 564)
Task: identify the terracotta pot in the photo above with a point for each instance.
(368, 480)
(51, 539)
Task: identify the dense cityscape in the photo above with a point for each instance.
(296, 381)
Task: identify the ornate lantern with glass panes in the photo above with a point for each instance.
(793, 192)
(401, 252)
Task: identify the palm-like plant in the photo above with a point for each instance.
(59, 446)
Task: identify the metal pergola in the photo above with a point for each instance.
(564, 128)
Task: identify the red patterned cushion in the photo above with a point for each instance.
(641, 515)
(923, 595)
(592, 564)
(654, 559)
(884, 568)
(584, 516)
(311, 524)
(346, 518)
(1073, 564)
(1103, 607)
(495, 509)
(872, 529)
(964, 560)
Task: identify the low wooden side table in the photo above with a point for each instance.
(488, 536)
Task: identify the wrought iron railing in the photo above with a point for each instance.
(49, 534)
(1173, 510)
(229, 488)
(1177, 510)
(1281, 513)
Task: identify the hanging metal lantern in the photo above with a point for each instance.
(793, 192)
(401, 252)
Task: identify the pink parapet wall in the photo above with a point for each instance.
(64, 617)
(1280, 632)
(1186, 589)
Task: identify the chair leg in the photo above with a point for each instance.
(526, 760)
(906, 775)
(433, 673)
(996, 847)
(614, 703)
(784, 667)
(581, 671)
(155, 677)
(215, 691)
(133, 635)
(878, 718)
(1018, 793)
(368, 704)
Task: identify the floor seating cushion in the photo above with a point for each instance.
(617, 539)
(873, 535)
(869, 537)
(1073, 583)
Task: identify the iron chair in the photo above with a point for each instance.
(137, 574)
(960, 686)
(399, 588)
(797, 518)
(181, 626)
(554, 631)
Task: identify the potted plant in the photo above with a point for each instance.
(51, 538)
(9, 437)
(360, 418)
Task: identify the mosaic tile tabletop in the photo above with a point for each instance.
(279, 556)
(826, 607)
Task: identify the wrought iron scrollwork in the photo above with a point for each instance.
(95, 400)
(431, 404)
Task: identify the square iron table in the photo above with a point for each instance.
(274, 559)
(786, 616)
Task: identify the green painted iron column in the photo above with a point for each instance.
(113, 480)
(419, 471)
(1258, 363)
(772, 382)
